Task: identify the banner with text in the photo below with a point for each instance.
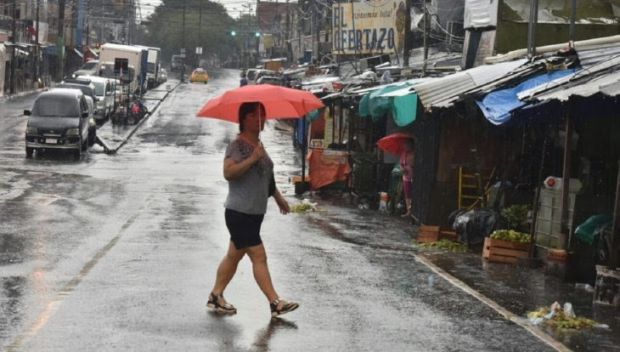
(374, 26)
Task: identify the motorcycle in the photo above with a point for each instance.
(137, 111)
(131, 114)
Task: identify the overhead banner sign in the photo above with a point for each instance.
(374, 26)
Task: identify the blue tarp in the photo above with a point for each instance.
(498, 106)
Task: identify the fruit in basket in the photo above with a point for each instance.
(512, 236)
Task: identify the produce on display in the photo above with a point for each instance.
(445, 244)
(511, 235)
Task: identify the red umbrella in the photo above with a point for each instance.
(394, 143)
(279, 102)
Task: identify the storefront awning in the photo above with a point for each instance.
(498, 105)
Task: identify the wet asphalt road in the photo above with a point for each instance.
(118, 253)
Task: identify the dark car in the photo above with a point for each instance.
(58, 120)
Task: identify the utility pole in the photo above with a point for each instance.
(14, 40)
(407, 39)
(60, 42)
(427, 29)
(199, 32)
(36, 41)
(531, 33)
(287, 34)
(183, 46)
(573, 15)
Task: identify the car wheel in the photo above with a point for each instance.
(77, 153)
(29, 152)
(92, 135)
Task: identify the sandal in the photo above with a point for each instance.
(219, 304)
(279, 306)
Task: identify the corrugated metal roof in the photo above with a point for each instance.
(607, 84)
(443, 92)
(578, 78)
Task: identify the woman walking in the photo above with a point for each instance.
(249, 172)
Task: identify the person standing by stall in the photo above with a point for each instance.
(249, 172)
(407, 158)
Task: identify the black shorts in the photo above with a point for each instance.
(244, 228)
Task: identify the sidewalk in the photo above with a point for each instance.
(516, 290)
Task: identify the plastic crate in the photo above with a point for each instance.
(549, 217)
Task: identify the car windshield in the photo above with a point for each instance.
(56, 106)
(99, 88)
(89, 65)
(85, 89)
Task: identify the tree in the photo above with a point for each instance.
(177, 24)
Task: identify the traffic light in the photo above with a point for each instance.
(233, 33)
(257, 34)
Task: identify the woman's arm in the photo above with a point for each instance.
(282, 203)
(233, 170)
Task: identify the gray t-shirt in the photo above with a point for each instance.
(249, 192)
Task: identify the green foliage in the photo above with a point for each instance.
(515, 215)
(207, 25)
(511, 235)
(446, 245)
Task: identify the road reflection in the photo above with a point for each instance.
(264, 337)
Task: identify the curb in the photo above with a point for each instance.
(22, 94)
(537, 332)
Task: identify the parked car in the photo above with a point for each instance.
(199, 75)
(85, 86)
(104, 92)
(58, 120)
(163, 76)
(253, 74)
(87, 69)
(275, 80)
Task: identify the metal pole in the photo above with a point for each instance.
(407, 39)
(531, 34)
(614, 251)
(573, 15)
(14, 40)
(287, 35)
(425, 41)
(183, 46)
(564, 232)
(60, 44)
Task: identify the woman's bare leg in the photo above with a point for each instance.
(258, 256)
(227, 268)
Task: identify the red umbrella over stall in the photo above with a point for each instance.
(394, 143)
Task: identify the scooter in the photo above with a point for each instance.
(137, 111)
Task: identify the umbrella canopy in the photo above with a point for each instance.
(394, 143)
(279, 102)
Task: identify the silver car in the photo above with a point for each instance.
(58, 120)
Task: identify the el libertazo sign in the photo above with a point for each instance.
(368, 27)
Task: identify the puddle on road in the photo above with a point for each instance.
(11, 249)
